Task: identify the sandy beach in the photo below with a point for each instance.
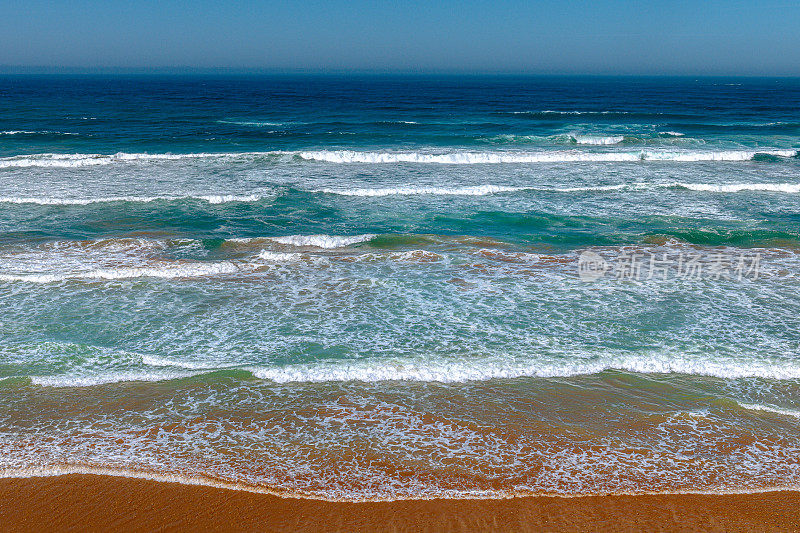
(83, 502)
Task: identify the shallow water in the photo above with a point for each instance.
(372, 288)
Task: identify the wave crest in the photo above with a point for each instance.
(497, 157)
(167, 271)
(322, 241)
(210, 198)
(451, 158)
(482, 369)
(598, 140)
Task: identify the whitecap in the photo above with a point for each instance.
(166, 271)
(497, 157)
(479, 369)
(771, 409)
(598, 140)
(739, 187)
(210, 198)
(322, 241)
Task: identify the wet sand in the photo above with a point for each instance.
(87, 502)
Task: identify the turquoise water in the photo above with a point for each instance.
(370, 288)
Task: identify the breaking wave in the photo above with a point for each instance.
(475, 190)
(42, 132)
(452, 158)
(83, 160)
(210, 198)
(598, 140)
(458, 371)
(471, 158)
(739, 187)
(322, 241)
(167, 271)
(771, 409)
(481, 370)
(484, 190)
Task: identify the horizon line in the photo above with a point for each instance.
(191, 70)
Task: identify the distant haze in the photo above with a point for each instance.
(475, 36)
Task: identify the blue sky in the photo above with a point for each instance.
(600, 37)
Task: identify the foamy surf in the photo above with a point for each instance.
(152, 360)
(213, 305)
(257, 123)
(53, 160)
(473, 190)
(107, 378)
(166, 271)
(41, 132)
(570, 112)
(451, 371)
(498, 157)
(100, 470)
(795, 413)
(210, 198)
(278, 257)
(322, 241)
(598, 140)
(467, 190)
(791, 188)
(464, 370)
(352, 156)
(485, 190)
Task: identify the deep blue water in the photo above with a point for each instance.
(217, 114)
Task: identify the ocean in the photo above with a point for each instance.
(388, 287)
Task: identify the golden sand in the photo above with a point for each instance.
(87, 502)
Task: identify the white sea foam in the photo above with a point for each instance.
(468, 190)
(484, 190)
(108, 377)
(496, 157)
(151, 360)
(617, 187)
(55, 160)
(130, 473)
(225, 198)
(474, 190)
(210, 198)
(463, 158)
(727, 155)
(456, 370)
(671, 133)
(598, 140)
(50, 160)
(278, 257)
(322, 241)
(448, 371)
(256, 123)
(771, 409)
(406, 256)
(553, 112)
(167, 271)
(351, 156)
(29, 132)
(739, 187)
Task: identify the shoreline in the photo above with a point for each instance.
(213, 483)
(105, 502)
